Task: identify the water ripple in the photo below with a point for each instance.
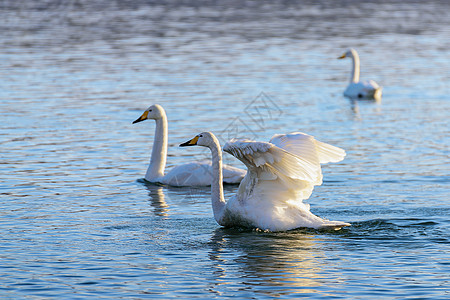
(77, 219)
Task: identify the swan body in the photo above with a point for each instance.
(281, 173)
(191, 174)
(358, 89)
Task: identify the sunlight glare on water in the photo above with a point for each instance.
(79, 221)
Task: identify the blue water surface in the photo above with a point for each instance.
(78, 220)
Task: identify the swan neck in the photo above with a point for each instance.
(355, 70)
(159, 152)
(217, 197)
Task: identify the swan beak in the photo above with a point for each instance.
(192, 142)
(342, 56)
(142, 118)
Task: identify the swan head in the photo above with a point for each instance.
(154, 112)
(349, 53)
(205, 139)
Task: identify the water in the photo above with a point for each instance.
(78, 221)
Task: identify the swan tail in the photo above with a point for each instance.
(334, 225)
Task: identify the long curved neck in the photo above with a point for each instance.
(159, 151)
(217, 198)
(355, 70)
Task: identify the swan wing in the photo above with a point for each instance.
(306, 146)
(370, 84)
(200, 174)
(190, 174)
(366, 89)
(281, 174)
(232, 175)
(269, 161)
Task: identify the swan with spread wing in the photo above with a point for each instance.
(281, 173)
(360, 89)
(190, 174)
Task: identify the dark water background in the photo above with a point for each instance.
(76, 219)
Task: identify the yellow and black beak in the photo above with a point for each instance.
(342, 56)
(192, 142)
(142, 118)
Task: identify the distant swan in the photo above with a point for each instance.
(191, 174)
(357, 89)
(281, 173)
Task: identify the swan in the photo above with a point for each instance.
(190, 174)
(357, 89)
(281, 173)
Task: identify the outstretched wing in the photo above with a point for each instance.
(269, 162)
(281, 174)
(306, 146)
(288, 164)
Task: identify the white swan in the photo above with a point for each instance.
(357, 89)
(281, 173)
(191, 174)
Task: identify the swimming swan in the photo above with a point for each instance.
(281, 173)
(191, 174)
(357, 89)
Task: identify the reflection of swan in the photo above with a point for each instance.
(191, 174)
(357, 89)
(280, 175)
(157, 199)
(283, 263)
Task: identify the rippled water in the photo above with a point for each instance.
(78, 221)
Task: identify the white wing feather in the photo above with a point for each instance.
(269, 158)
(200, 174)
(281, 173)
(304, 145)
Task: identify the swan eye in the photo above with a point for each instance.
(200, 135)
(149, 110)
